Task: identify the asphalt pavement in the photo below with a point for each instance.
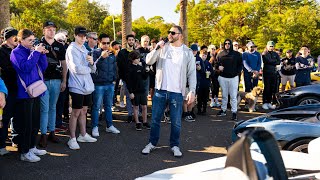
(118, 156)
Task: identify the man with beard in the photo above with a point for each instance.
(175, 66)
(8, 74)
(123, 69)
(252, 65)
(230, 66)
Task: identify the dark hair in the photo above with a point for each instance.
(305, 46)
(154, 40)
(129, 35)
(203, 47)
(23, 34)
(178, 27)
(133, 55)
(103, 35)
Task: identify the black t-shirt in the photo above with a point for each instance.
(54, 70)
(288, 66)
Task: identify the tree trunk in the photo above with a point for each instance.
(126, 20)
(183, 20)
(4, 14)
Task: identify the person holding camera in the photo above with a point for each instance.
(29, 62)
(55, 80)
(104, 79)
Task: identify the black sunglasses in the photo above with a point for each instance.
(104, 43)
(173, 33)
(94, 38)
(227, 43)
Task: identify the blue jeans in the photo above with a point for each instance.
(105, 94)
(160, 101)
(48, 104)
(128, 100)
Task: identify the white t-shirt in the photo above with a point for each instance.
(173, 60)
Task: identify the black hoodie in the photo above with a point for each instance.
(231, 61)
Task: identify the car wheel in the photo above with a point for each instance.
(309, 100)
(300, 146)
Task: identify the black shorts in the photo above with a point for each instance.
(139, 99)
(80, 100)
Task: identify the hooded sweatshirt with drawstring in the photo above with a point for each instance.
(231, 61)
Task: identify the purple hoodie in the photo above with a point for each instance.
(24, 62)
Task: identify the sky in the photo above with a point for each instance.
(147, 8)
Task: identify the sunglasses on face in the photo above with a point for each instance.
(94, 38)
(227, 43)
(270, 46)
(173, 33)
(104, 43)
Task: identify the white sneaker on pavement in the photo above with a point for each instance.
(113, 130)
(176, 151)
(265, 106)
(38, 152)
(149, 147)
(271, 106)
(86, 138)
(95, 132)
(73, 144)
(212, 104)
(29, 157)
(3, 151)
(122, 104)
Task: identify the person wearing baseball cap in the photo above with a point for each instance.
(8, 74)
(252, 65)
(270, 60)
(288, 70)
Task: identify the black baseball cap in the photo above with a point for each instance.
(49, 23)
(289, 51)
(114, 43)
(80, 30)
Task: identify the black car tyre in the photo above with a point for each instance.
(309, 100)
(300, 146)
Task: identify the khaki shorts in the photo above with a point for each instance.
(286, 78)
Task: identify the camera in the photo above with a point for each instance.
(46, 46)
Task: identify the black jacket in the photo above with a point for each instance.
(123, 64)
(8, 73)
(231, 61)
(136, 76)
(270, 60)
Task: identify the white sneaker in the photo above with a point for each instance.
(3, 151)
(114, 109)
(113, 130)
(29, 157)
(73, 144)
(271, 106)
(86, 138)
(122, 104)
(95, 132)
(38, 152)
(265, 106)
(149, 147)
(217, 104)
(176, 151)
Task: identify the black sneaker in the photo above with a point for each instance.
(146, 125)
(222, 113)
(130, 119)
(193, 115)
(234, 117)
(138, 126)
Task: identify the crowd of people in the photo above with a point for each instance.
(39, 76)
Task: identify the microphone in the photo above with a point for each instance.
(165, 40)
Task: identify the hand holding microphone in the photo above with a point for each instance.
(161, 43)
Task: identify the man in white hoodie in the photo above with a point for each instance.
(80, 65)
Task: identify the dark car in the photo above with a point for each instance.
(292, 127)
(299, 96)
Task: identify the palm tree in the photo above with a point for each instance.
(183, 20)
(4, 14)
(126, 20)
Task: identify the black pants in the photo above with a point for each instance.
(8, 113)
(215, 87)
(28, 114)
(62, 106)
(269, 81)
(116, 90)
(202, 97)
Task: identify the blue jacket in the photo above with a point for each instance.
(251, 61)
(204, 81)
(303, 74)
(3, 87)
(106, 71)
(25, 62)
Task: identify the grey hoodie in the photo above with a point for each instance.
(188, 71)
(80, 80)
